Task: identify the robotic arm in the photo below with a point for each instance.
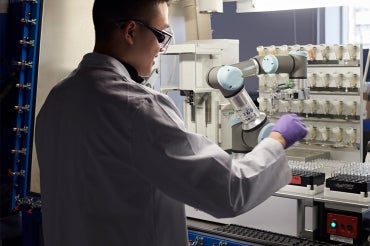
(253, 124)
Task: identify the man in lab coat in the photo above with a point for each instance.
(116, 162)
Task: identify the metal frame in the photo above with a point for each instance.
(27, 66)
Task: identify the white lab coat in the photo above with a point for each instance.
(117, 164)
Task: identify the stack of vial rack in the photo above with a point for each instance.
(350, 181)
(307, 177)
(335, 179)
(26, 66)
(333, 113)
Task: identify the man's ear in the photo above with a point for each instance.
(128, 31)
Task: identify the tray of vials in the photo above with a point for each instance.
(307, 178)
(351, 182)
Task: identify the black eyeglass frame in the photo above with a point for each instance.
(163, 37)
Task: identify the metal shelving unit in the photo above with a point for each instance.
(26, 66)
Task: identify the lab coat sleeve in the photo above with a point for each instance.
(194, 170)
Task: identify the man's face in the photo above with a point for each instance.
(148, 45)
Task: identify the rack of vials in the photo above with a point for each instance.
(333, 112)
(327, 165)
(334, 179)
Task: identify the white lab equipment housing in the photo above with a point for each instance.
(191, 63)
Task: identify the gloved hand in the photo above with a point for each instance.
(291, 127)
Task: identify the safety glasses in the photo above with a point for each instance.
(163, 37)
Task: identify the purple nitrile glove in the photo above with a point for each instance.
(291, 127)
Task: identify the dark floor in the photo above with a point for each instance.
(10, 231)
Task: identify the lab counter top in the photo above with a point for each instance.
(334, 202)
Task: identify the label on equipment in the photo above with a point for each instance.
(296, 180)
(247, 114)
(341, 239)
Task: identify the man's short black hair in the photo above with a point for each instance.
(106, 12)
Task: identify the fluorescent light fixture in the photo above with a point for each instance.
(271, 5)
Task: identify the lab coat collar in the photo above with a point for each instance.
(133, 72)
(101, 60)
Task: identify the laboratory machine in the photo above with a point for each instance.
(216, 102)
(320, 83)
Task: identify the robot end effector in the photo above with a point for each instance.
(229, 80)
